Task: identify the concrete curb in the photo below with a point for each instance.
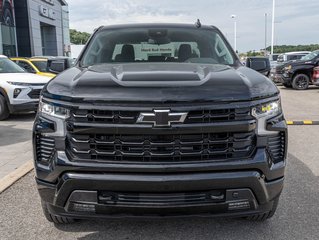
(14, 176)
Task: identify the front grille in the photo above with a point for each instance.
(130, 117)
(161, 148)
(44, 149)
(280, 69)
(34, 94)
(218, 115)
(276, 147)
(164, 199)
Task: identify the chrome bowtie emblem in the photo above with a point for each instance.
(162, 118)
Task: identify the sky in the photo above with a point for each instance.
(296, 21)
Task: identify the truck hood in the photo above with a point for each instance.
(24, 78)
(160, 82)
(297, 63)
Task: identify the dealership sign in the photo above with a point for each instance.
(47, 12)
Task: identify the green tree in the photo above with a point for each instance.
(254, 54)
(294, 48)
(78, 37)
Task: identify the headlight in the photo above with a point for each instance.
(25, 84)
(267, 110)
(54, 111)
(20, 84)
(288, 68)
(263, 113)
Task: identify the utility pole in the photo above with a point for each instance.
(273, 26)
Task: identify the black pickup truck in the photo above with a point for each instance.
(298, 74)
(159, 120)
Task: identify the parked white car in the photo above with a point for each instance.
(291, 56)
(19, 90)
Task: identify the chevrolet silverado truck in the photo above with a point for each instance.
(159, 120)
(298, 74)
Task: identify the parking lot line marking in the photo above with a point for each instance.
(14, 176)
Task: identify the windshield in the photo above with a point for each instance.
(310, 56)
(7, 66)
(138, 45)
(41, 65)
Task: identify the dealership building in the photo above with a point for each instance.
(34, 28)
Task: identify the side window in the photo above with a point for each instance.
(26, 66)
(222, 51)
(292, 57)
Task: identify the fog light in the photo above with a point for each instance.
(78, 207)
(238, 205)
(16, 92)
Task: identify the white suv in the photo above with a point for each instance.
(19, 90)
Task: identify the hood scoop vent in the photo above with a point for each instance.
(160, 75)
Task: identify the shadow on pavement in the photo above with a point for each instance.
(296, 218)
(11, 135)
(21, 117)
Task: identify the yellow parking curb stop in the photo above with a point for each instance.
(304, 122)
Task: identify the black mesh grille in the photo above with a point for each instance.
(161, 199)
(130, 117)
(44, 149)
(35, 94)
(276, 147)
(161, 148)
(216, 115)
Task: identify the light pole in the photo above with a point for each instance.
(265, 34)
(273, 26)
(235, 32)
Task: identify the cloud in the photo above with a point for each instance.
(296, 17)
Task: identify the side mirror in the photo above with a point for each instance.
(261, 65)
(56, 66)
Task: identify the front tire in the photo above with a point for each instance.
(53, 218)
(4, 110)
(264, 216)
(301, 82)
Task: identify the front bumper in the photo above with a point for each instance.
(275, 77)
(26, 100)
(249, 187)
(85, 195)
(24, 107)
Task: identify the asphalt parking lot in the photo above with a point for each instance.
(297, 216)
(15, 134)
